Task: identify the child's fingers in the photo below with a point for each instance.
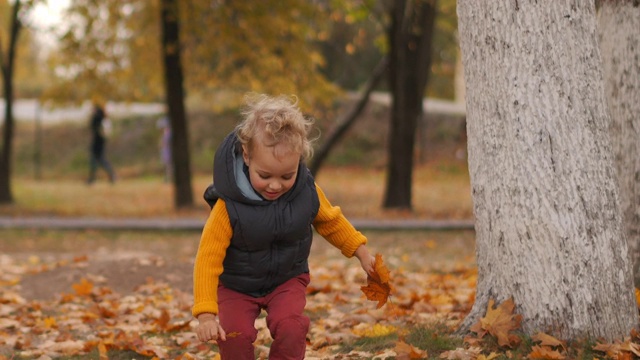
(222, 334)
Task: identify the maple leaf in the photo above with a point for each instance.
(545, 352)
(548, 340)
(84, 288)
(102, 351)
(491, 356)
(637, 297)
(611, 350)
(406, 351)
(380, 271)
(499, 322)
(163, 320)
(471, 353)
(378, 287)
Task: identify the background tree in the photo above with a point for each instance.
(410, 36)
(620, 44)
(108, 48)
(7, 61)
(357, 33)
(548, 221)
(171, 46)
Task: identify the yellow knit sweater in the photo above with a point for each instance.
(216, 237)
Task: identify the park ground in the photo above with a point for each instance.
(74, 294)
(126, 294)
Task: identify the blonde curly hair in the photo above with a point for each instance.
(276, 122)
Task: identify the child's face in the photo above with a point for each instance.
(271, 176)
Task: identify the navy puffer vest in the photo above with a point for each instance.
(271, 239)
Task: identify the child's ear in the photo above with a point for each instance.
(245, 154)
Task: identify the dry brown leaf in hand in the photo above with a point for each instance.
(378, 287)
(380, 271)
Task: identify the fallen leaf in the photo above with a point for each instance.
(548, 340)
(102, 351)
(84, 288)
(406, 351)
(500, 321)
(545, 352)
(375, 330)
(489, 357)
(462, 354)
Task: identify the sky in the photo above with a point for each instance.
(49, 13)
(46, 15)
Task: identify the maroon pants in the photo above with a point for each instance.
(285, 319)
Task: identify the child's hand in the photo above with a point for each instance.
(366, 260)
(209, 328)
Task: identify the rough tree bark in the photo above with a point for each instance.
(183, 193)
(618, 24)
(410, 38)
(548, 226)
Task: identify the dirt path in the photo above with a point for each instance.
(123, 261)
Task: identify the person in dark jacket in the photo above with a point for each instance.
(98, 142)
(254, 248)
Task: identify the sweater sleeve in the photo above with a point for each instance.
(335, 228)
(215, 239)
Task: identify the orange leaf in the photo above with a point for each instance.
(380, 271)
(376, 292)
(163, 320)
(637, 297)
(548, 340)
(84, 288)
(500, 321)
(102, 351)
(378, 288)
(407, 351)
(544, 352)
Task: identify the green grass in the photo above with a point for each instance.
(434, 340)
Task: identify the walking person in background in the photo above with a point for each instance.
(99, 126)
(165, 147)
(254, 248)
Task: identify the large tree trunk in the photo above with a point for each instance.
(183, 194)
(7, 67)
(619, 22)
(548, 221)
(410, 37)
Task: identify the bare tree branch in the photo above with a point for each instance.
(350, 117)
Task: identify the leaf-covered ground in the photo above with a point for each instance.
(96, 304)
(127, 295)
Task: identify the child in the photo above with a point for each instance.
(254, 248)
